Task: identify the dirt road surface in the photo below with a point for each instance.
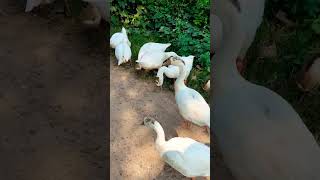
(133, 154)
(52, 98)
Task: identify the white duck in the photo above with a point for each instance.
(260, 134)
(251, 15)
(119, 37)
(187, 156)
(309, 77)
(123, 53)
(216, 33)
(207, 86)
(173, 71)
(152, 46)
(154, 59)
(192, 106)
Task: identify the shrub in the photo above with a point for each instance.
(298, 9)
(183, 23)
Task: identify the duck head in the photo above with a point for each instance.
(176, 61)
(149, 122)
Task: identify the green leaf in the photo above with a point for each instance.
(316, 25)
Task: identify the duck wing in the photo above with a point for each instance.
(191, 159)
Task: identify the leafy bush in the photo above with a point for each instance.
(299, 9)
(183, 23)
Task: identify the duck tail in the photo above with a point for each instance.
(121, 60)
(168, 45)
(123, 30)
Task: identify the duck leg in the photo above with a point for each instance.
(193, 178)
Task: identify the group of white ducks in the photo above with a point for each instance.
(187, 156)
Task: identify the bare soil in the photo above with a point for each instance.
(52, 98)
(133, 154)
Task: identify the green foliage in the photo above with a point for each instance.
(316, 25)
(303, 9)
(183, 23)
(312, 7)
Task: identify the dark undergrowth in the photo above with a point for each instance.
(293, 45)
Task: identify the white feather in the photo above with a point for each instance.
(119, 37)
(154, 59)
(187, 156)
(173, 71)
(151, 46)
(123, 53)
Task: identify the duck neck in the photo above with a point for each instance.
(224, 61)
(179, 83)
(161, 71)
(160, 74)
(160, 135)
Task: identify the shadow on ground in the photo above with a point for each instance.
(52, 98)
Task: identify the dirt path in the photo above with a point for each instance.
(133, 154)
(52, 99)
